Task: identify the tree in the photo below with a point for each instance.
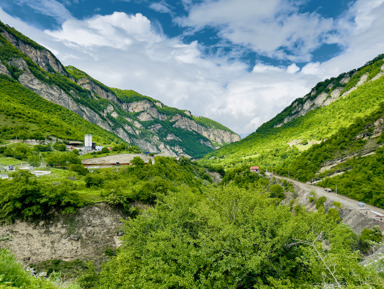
(34, 160)
(138, 162)
(277, 191)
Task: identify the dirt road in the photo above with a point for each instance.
(355, 214)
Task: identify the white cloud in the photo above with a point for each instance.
(118, 30)
(160, 7)
(273, 28)
(293, 68)
(51, 8)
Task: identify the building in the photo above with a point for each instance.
(254, 169)
(88, 142)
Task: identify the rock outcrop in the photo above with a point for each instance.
(65, 237)
(216, 135)
(139, 120)
(41, 56)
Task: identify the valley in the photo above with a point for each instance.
(160, 198)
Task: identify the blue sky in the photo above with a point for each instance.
(239, 62)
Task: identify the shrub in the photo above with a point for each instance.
(62, 159)
(94, 180)
(138, 162)
(277, 191)
(320, 202)
(59, 146)
(26, 198)
(368, 237)
(78, 168)
(312, 196)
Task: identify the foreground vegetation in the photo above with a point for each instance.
(194, 233)
(13, 275)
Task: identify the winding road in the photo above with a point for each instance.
(344, 201)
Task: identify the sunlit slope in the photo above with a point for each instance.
(275, 144)
(25, 115)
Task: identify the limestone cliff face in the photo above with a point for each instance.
(216, 135)
(138, 120)
(42, 57)
(148, 109)
(95, 89)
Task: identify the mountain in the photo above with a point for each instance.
(28, 69)
(333, 135)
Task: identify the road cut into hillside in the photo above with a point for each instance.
(353, 212)
(121, 159)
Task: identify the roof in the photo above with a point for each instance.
(254, 168)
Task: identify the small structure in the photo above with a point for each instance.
(99, 148)
(328, 190)
(254, 169)
(88, 142)
(4, 176)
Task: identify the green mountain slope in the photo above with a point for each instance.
(25, 115)
(130, 116)
(333, 114)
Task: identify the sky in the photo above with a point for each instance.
(239, 62)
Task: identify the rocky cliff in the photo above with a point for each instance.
(136, 119)
(84, 235)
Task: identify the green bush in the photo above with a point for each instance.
(78, 168)
(277, 191)
(94, 180)
(62, 159)
(12, 275)
(320, 202)
(368, 237)
(138, 162)
(26, 198)
(59, 146)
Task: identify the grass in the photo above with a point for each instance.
(6, 161)
(14, 276)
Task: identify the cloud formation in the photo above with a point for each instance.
(50, 8)
(129, 52)
(273, 28)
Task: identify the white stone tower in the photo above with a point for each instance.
(88, 142)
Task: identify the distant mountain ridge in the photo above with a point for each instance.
(132, 117)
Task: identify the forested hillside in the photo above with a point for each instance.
(127, 115)
(342, 115)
